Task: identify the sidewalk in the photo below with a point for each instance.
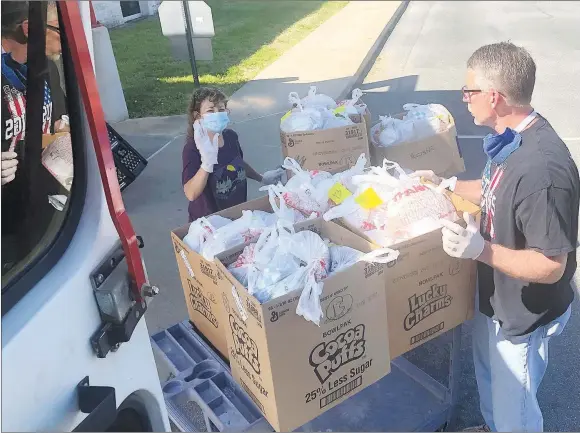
(334, 56)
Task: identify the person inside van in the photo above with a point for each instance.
(214, 171)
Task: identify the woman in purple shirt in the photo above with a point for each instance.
(214, 171)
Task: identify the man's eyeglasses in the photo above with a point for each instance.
(467, 92)
(53, 28)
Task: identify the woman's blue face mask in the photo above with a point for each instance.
(215, 122)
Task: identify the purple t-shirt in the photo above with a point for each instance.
(226, 186)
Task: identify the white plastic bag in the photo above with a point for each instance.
(353, 106)
(203, 229)
(318, 100)
(391, 131)
(311, 249)
(405, 208)
(342, 257)
(429, 119)
(301, 118)
(334, 120)
(346, 177)
(242, 230)
(239, 268)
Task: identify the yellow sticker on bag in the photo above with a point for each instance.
(339, 110)
(368, 199)
(338, 193)
(285, 116)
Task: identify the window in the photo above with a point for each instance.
(42, 174)
(130, 8)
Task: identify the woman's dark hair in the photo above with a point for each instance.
(210, 93)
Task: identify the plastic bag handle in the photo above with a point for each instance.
(345, 208)
(292, 165)
(312, 91)
(294, 99)
(361, 162)
(381, 255)
(392, 165)
(356, 95)
(309, 303)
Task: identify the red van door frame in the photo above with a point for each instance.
(89, 91)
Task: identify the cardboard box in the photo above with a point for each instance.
(294, 370)
(333, 150)
(199, 280)
(439, 153)
(428, 292)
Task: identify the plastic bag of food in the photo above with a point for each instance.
(332, 119)
(308, 247)
(346, 177)
(299, 193)
(272, 260)
(264, 263)
(239, 268)
(391, 131)
(317, 100)
(428, 119)
(342, 257)
(391, 208)
(246, 228)
(354, 105)
(301, 118)
(203, 229)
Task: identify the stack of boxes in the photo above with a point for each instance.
(294, 370)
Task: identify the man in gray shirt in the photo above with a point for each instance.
(525, 244)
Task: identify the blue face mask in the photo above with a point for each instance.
(215, 122)
(499, 146)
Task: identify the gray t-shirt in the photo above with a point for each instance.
(530, 201)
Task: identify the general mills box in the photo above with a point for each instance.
(295, 370)
(427, 291)
(333, 150)
(439, 152)
(199, 280)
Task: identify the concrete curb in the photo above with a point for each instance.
(368, 61)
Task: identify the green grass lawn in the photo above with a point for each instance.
(249, 36)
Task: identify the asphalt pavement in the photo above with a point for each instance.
(423, 61)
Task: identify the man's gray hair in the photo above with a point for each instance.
(507, 68)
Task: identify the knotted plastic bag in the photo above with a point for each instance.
(318, 100)
(301, 118)
(353, 106)
(246, 228)
(265, 262)
(332, 119)
(391, 208)
(428, 119)
(342, 257)
(391, 131)
(203, 229)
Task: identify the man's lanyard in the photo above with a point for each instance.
(526, 122)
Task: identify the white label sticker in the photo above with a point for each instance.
(239, 304)
(186, 263)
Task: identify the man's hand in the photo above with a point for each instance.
(208, 148)
(272, 177)
(463, 243)
(9, 166)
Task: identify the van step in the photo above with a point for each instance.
(202, 389)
